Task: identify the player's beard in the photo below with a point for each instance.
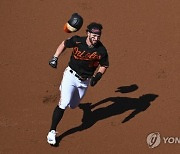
(91, 41)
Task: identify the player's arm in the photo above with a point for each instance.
(68, 43)
(102, 69)
(104, 64)
(54, 61)
(60, 49)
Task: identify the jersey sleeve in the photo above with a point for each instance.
(71, 42)
(104, 59)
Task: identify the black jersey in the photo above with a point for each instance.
(85, 60)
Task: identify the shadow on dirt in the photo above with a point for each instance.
(118, 106)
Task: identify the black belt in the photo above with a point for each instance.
(79, 77)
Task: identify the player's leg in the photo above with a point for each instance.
(56, 117)
(79, 93)
(67, 88)
(75, 99)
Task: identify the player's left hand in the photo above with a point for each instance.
(95, 79)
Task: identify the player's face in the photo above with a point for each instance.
(94, 38)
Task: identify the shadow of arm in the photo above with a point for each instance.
(101, 102)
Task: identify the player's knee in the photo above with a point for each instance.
(62, 106)
(63, 103)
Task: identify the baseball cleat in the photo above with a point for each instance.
(51, 137)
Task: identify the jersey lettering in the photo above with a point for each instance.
(83, 55)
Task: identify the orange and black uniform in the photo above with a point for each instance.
(84, 60)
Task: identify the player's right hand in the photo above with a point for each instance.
(53, 62)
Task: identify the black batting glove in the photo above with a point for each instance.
(95, 79)
(53, 62)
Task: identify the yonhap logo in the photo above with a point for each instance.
(153, 139)
(171, 140)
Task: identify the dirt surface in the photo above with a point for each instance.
(143, 41)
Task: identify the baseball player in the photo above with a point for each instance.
(87, 64)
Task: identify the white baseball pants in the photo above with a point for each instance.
(71, 89)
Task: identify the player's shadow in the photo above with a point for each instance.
(118, 106)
